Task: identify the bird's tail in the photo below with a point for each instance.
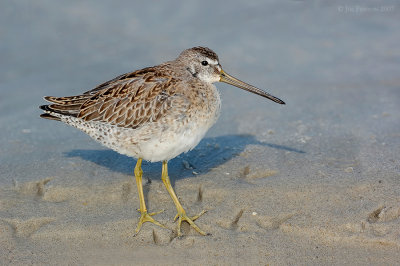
(63, 106)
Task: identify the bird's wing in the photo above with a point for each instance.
(130, 100)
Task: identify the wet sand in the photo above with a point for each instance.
(315, 182)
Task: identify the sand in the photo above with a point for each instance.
(315, 182)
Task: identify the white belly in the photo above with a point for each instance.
(171, 144)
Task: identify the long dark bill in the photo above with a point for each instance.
(240, 84)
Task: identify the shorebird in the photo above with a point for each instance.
(153, 114)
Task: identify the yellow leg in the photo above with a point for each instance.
(144, 216)
(181, 215)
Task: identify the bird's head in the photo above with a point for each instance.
(203, 63)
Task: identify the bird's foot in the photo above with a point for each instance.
(181, 216)
(146, 217)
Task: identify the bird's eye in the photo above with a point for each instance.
(204, 63)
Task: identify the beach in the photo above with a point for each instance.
(312, 182)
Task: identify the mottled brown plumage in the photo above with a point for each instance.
(127, 101)
(154, 113)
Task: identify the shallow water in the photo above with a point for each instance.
(317, 179)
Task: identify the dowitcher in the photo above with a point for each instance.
(153, 114)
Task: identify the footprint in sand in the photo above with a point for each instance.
(28, 227)
(384, 214)
(272, 223)
(34, 188)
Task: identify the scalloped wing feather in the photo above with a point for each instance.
(129, 100)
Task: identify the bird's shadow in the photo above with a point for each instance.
(210, 153)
